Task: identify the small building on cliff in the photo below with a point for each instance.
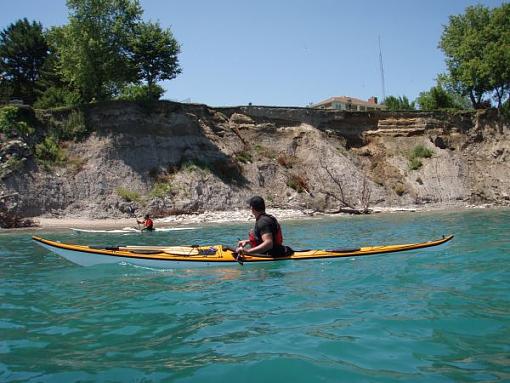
(349, 103)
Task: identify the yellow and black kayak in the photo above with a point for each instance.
(169, 257)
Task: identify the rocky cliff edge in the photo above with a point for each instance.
(169, 158)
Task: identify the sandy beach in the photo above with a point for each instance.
(171, 221)
(214, 217)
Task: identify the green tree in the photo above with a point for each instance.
(5, 91)
(137, 92)
(440, 98)
(477, 45)
(398, 104)
(461, 42)
(154, 53)
(54, 90)
(93, 47)
(23, 51)
(497, 53)
(56, 96)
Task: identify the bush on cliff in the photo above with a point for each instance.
(136, 92)
(49, 153)
(12, 123)
(74, 127)
(128, 195)
(161, 190)
(417, 153)
(56, 97)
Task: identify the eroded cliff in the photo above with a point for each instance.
(169, 158)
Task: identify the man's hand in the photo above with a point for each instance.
(243, 243)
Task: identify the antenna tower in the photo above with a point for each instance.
(382, 72)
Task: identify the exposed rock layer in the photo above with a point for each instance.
(183, 158)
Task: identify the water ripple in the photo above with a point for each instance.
(438, 315)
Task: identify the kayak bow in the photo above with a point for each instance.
(200, 256)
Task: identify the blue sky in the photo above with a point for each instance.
(289, 53)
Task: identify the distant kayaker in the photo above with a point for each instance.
(148, 224)
(266, 237)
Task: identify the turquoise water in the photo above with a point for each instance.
(434, 315)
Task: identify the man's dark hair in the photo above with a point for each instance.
(257, 203)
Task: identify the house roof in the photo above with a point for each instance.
(346, 100)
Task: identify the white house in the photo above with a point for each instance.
(349, 103)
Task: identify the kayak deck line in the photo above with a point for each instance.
(195, 255)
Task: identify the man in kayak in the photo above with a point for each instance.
(266, 237)
(148, 225)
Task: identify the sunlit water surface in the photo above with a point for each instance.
(440, 314)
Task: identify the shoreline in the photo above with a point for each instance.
(209, 217)
(215, 217)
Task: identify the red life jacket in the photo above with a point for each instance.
(277, 236)
(253, 240)
(148, 223)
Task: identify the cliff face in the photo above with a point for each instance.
(170, 158)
